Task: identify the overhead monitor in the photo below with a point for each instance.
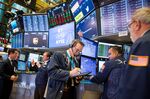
(59, 15)
(88, 26)
(33, 56)
(36, 39)
(81, 8)
(106, 2)
(35, 22)
(21, 66)
(90, 48)
(116, 16)
(61, 35)
(15, 26)
(17, 41)
(88, 65)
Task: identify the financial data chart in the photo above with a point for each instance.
(88, 26)
(35, 22)
(59, 15)
(115, 16)
(36, 39)
(81, 8)
(17, 41)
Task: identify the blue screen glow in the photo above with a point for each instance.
(88, 65)
(62, 35)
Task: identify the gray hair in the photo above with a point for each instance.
(142, 15)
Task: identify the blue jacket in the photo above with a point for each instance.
(110, 76)
(135, 83)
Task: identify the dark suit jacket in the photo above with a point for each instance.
(6, 71)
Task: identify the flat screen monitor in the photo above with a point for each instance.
(61, 35)
(90, 48)
(21, 66)
(33, 56)
(106, 2)
(35, 22)
(126, 51)
(103, 49)
(100, 64)
(88, 26)
(88, 65)
(36, 39)
(81, 8)
(17, 40)
(15, 26)
(116, 16)
(58, 15)
(22, 57)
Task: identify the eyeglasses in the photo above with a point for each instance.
(77, 50)
(129, 25)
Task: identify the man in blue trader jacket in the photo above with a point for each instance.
(135, 83)
(110, 73)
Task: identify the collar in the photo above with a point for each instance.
(68, 54)
(146, 32)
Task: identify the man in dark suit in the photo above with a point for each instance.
(41, 76)
(7, 73)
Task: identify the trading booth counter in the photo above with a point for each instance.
(24, 87)
(89, 90)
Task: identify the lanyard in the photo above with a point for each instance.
(71, 60)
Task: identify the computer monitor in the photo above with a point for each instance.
(103, 49)
(35, 22)
(36, 39)
(81, 8)
(115, 16)
(100, 64)
(22, 57)
(88, 64)
(17, 40)
(14, 26)
(88, 26)
(33, 56)
(90, 48)
(126, 51)
(59, 15)
(62, 35)
(21, 66)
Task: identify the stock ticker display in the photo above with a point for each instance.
(115, 16)
(59, 15)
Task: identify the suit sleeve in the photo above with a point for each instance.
(56, 68)
(101, 77)
(3, 68)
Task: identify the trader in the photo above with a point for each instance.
(110, 73)
(135, 84)
(62, 71)
(42, 76)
